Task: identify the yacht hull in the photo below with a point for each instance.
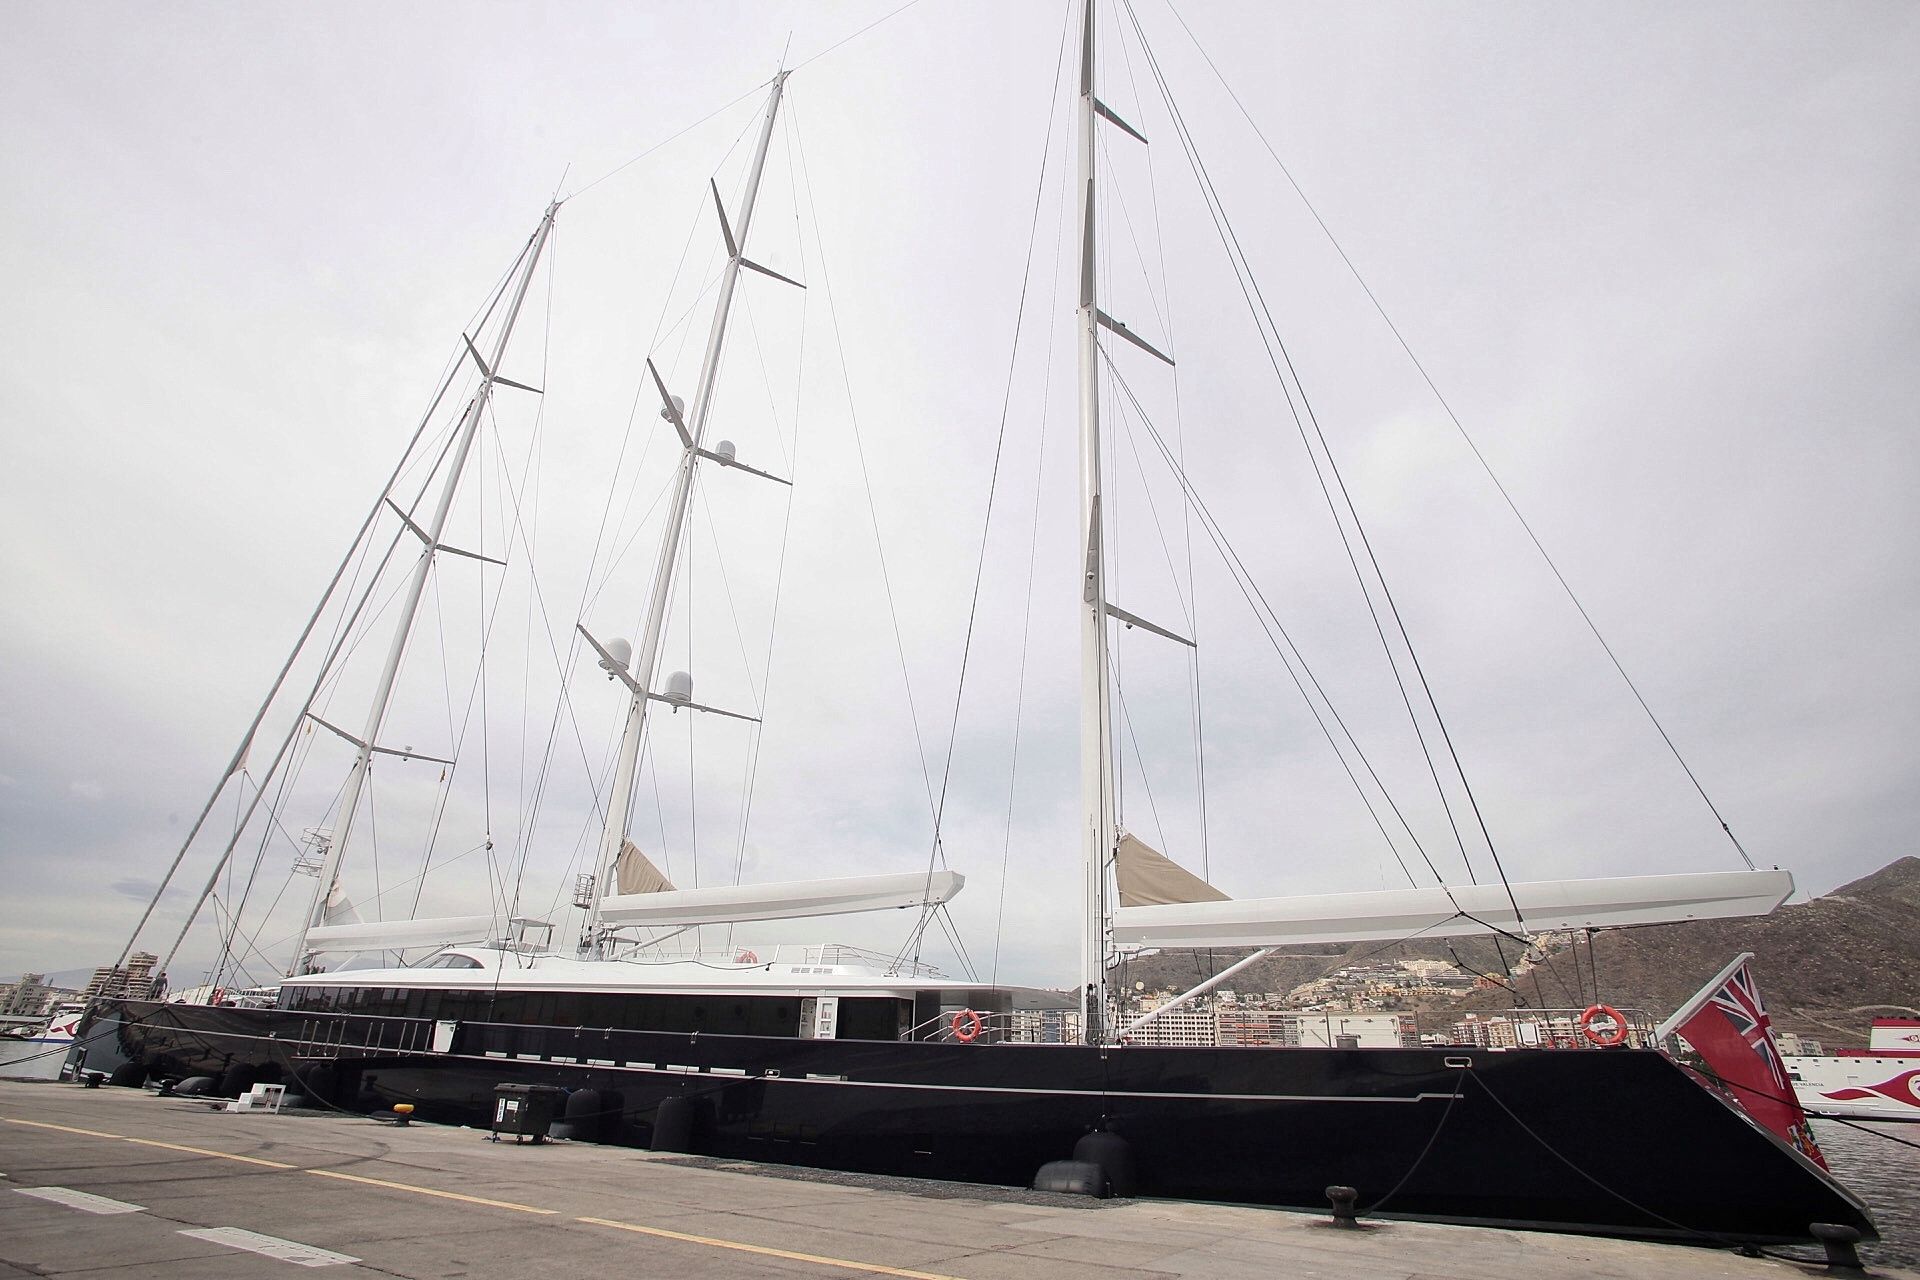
(1615, 1142)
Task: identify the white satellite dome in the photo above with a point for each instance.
(618, 657)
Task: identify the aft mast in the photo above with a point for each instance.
(692, 426)
(1100, 825)
(1096, 729)
(366, 745)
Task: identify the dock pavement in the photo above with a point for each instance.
(111, 1183)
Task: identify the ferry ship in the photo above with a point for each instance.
(1879, 1082)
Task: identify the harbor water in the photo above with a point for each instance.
(1884, 1174)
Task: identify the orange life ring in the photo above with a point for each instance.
(746, 957)
(965, 1026)
(1605, 1039)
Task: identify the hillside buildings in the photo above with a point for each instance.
(135, 980)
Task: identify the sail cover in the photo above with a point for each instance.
(1148, 878)
(396, 935)
(1462, 911)
(634, 872)
(791, 900)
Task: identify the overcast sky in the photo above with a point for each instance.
(1661, 262)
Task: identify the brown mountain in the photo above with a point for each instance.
(1825, 967)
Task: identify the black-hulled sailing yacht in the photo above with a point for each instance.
(827, 1057)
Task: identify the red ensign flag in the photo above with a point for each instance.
(1728, 1027)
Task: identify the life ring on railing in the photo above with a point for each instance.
(746, 957)
(1605, 1039)
(965, 1026)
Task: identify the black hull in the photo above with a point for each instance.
(1619, 1142)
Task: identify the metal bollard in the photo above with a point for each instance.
(403, 1114)
(1342, 1199)
(1839, 1242)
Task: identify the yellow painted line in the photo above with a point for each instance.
(846, 1264)
(149, 1142)
(63, 1128)
(202, 1151)
(429, 1191)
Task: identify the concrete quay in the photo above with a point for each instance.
(111, 1183)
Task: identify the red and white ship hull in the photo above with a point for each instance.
(1880, 1082)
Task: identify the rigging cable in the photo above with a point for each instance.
(1256, 302)
(1033, 547)
(358, 545)
(873, 514)
(792, 462)
(1186, 507)
(1263, 612)
(1243, 271)
(1459, 426)
(993, 480)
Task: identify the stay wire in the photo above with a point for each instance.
(999, 447)
(792, 462)
(888, 17)
(1163, 309)
(866, 479)
(1256, 300)
(1033, 548)
(677, 134)
(1263, 612)
(1474, 447)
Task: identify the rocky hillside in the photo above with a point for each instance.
(1825, 967)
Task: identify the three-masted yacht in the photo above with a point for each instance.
(827, 1057)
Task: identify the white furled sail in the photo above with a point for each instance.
(339, 909)
(1149, 878)
(792, 900)
(1463, 911)
(634, 872)
(399, 935)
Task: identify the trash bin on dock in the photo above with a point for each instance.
(525, 1110)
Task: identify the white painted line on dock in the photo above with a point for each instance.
(300, 1255)
(82, 1200)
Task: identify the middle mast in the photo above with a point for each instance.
(692, 426)
(1100, 817)
(1096, 729)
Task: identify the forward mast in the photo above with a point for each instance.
(366, 746)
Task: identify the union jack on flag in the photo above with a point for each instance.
(1739, 999)
(1728, 1027)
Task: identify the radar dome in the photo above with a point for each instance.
(619, 654)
